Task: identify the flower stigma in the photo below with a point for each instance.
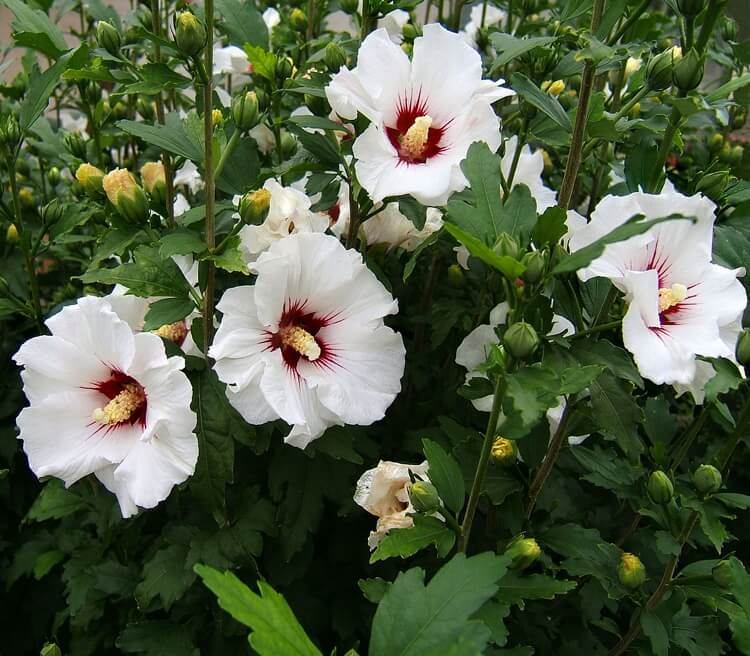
(301, 341)
(413, 143)
(671, 296)
(122, 407)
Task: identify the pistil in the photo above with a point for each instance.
(301, 341)
(671, 296)
(413, 143)
(122, 407)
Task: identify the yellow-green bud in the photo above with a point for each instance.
(254, 206)
(26, 196)
(10, 132)
(659, 69)
(424, 497)
(53, 175)
(108, 37)
(715, 142)
(507, 246)
(553, 88)
(713, 184)
(217, 118)
(284, 67)
(503, 451)
(126, 195)
(76, 145)
(722, 574)
(739, 117)
(410, 32)
(523, 552)
(660, 488)
(707, 479)
(90, 178)
(11, 234)
(335, 57)
(298, 20)
(688, 70)
(535, 263)
(548, 166)
(155, 181)
(630, 571)
(120, 110)
(743, 348)
(521, 340)
(190, 34)
(245, 111)
(736, 154)
(288, 145)
(52, 212)
(456, 275)
(725, 154)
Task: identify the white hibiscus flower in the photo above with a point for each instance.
(189, 176)
(289, 213)
(492, 16)
(384, 492)
(264, 138)
(528, 172)
(271, 17)
(680, 304)
(390, 226)
(393, 23)
(307, 343)
(231, 60)
(424, 113)
(108, 402)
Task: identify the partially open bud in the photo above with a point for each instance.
(660, 488)
(108, 37)
(424, 497)
(335, 57)
(298, 20)
(722, 574)
(217, 118)
(553, 88)
(126, 195)
(743, 348)
(630, 571)
(11, 234)
(521, 340)
(688, 71)
(245, 111)
(190, 34)
(707, 479)
(523, 552)
(535, 263)
(254, 206)
(713, 184)
(659, 69)
(155, 181)
(503, 451)
(631, 66)
(90, 178)
(52, 212)
(507, 246)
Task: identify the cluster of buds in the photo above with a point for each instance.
(126, 195)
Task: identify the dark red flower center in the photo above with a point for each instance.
(124, 402)
(416, 137)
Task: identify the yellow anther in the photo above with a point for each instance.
(301, 341)
(174, 332)
(121, 407)
(414, 141)
(503, 450)
(671, 296)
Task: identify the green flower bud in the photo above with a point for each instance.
(521, 340)
(288, 145)
(22, 167)
(217, 118)
(52, 212)
(145, 18)
(725, 154)
(154, 181)
(722, 574)
(715, 143)
(298, 20)
(10, 133)
(507, 246)
(126, 195)
(713, 184)
(108, 37)
(504, 452)
(688, 71)
(245, 111)
(335, 57)
(630, 571)
(349, 6)
(736, 154)
(707, 479)
(690, 8)
(523, 552)
(26, 196)
(424, 497)
(11, 234)
(50, 649)
(76, 145)
(146, 108)
(729, 29)
(284, 67)
(743, 348)
(90, 178)
(660, 488)
(53, 175)
(659, 70)
(456, 276)
(410, 32)
(190, 34)
(536, 263)
(254, 206)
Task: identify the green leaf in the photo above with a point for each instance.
(155, 77)
(617, 414)
(318, 123)
(166, 311)
(605, 469)
(323, 147)
(164, 576)
(545, 103)
(412, 261)
(149, 275)
(414, 619)
(530, 392)
(405, 542)
(181, 242)
(241, 169)
(373, 589)
(275, 629)
(614, 359)
(30, 21)
(509, 47)
(54, 502)
(46, 561)
(726, 378)
(217, 421)
(231, 258)
(518, 215)
(550, 227)
(170, 137)
(445, 475)
(413, 210)
(730, 87)
(509, 267)
(243, 22)
(515, 588)
(587, 254)
(576, 379)
(157, 638)
(656, 632)
(264, 63)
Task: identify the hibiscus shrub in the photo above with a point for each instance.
(384, 328)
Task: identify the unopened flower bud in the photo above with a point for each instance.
(424, 497)
(410, 31)
(108, 37)
(535, 263)
(245, 111)
(407, 47)
(548, 166)
(739, 117)
(553, 88)
(254, 206)
(284, 67)
(729, 29)
(715, 142)
(288, 145)
(523, 552)
(145, 17)
(90, 178)
(76, 145)
(11, 234)
(688, 71)
(660, 488)
(713, 184)
(298, 20)
(507, 246)
(521, 340)
(335, 57)
(736, 154)
(155, 181)
(503, 451)
(690, 8)
(631, 66)
(707, 479)
(10, 132)
(53, 175)
(126, 195)
(52, 212)
(659, 70)
(456, 275)
(722, 574)
(190, 34)
(743, 348)
(26, 196)
(725, 154)
(630, 571)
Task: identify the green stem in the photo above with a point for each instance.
(688, 438)
(579, 129)
(597, 329)
(354, 217)
(689, 34)
(517, 154)
(233, 140)
(450, 520)
(631, 20)
(208, 130)
(484, 459)
(276, 118)
(664, 148)
(715, 7)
